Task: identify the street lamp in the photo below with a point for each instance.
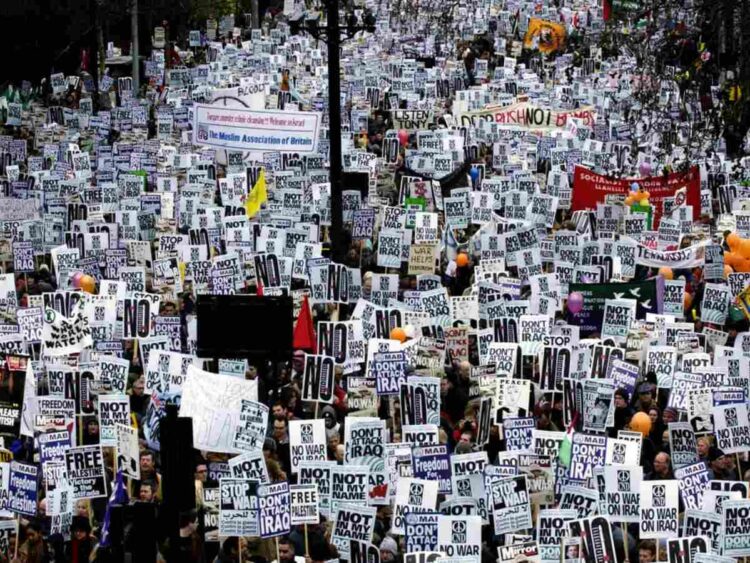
(332, 34)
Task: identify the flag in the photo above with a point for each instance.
(566, 446)
(258, 195)
(450, 244)
(119, 496)
(304, 333)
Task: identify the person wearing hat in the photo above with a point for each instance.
(645, 396)
(388, 549)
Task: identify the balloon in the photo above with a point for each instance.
(575, 302)
(75, 280)
(644, 169)
(88, 284)
(730, 259)
(399, 334)
(646, 195)
(629, 200)
(745, 248)
(641, 423)
(474, 173)
(727, 270)
(666, 273)
(635, 187)
(687, 301)
(735, 314)
(733, 241)
(403, 136)
(645, 202)
(462, 260)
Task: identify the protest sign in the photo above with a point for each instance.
(659, 506)
(23, 488)
(598, 542)
(621, 496)
(735, 528)
(305, 504)
(460, 535)
(113, 410)
(238, 507)
(421, 531)
(274, 516)
(128, 451)
(732, 428)
(86, 474)
(433, 463)
(214, 402)
(511, 509)
(317, 384)
(412, 495)
(693, 479)
(352, 521)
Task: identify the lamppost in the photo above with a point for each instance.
(332, 34)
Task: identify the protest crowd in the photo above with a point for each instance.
(529, 342)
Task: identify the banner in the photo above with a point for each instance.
(621, 497)
(433, 463)
(128, 451)
(256, 130)
(113, 410)
(590, 188)
(525, 115)
(551, 528)
(23, 491)
(317, 382)
(511, 509)
(595, 296)
(692, 481)
(412, 495)
(318, 473)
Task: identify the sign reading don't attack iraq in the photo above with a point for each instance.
(256, 130)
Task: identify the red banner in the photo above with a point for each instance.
(590, 188)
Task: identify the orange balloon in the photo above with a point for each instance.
(730, 259)
(666, 273)
(641, 423)
(687, 300)
(744, 249)
(629, 200)
(742, 265)
(646, 195)
(733, 241)
(462, 260)
(88, 284)
(399, 334)
(727, 270)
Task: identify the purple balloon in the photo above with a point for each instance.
(575, 302)
(645, 169)
(75, 280)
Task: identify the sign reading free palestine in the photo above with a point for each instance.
(256, 130)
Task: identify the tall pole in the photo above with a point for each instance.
(134, 49)
(338, 252)
(256, 14)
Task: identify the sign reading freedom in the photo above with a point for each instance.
(256, 130)
(590, 188)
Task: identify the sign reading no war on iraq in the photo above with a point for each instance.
(256, 130)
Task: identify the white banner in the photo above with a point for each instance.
(256, 130)
(690, 257)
